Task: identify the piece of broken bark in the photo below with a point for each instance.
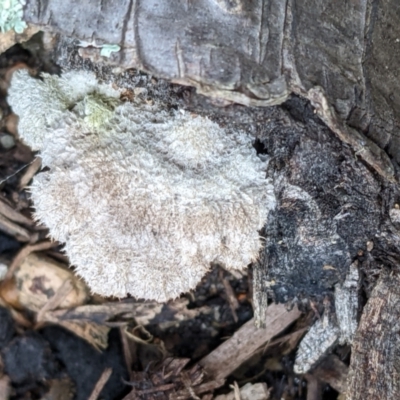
(374, 367)
(332, 371)
(255, 391)
(246, 341)
(332, 328)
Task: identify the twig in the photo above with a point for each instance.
(63, 291)
(105, 376)
(15, 173)
(14, 215)
(127, 350)
(14, 230)
(30, 172)
(24, 253)
(236, 390)
(232, 300)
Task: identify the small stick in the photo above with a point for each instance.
(63, 291)
(30, 172)
(105, 376)
(14, 230)
(230, 294)
(24, 253)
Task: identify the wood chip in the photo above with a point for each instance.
(25, 252)
(250, 391)
(246, 341)
(314, 388)
(129, 348)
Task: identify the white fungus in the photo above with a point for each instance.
(144, 199)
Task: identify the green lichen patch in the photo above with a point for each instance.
(11, 13)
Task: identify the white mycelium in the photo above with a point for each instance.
(143, 198)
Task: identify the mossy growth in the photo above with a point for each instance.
(11, 14)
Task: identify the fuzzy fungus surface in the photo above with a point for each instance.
(144, 198)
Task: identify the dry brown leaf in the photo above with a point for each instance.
(119, 313)
(37, 280)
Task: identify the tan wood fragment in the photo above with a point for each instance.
(20, 257)
(246, 341)
(105, 376)
(250, 391)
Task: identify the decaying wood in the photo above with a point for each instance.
(30, 172)
(118, 313)
(332, 328)
(330, 204)
(374, 367)
(256, 54)
(246, 341)
(41, 282)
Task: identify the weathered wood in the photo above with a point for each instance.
(246, 341)
(257, 53)
(375, 360)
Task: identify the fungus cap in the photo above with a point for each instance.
(143, 198)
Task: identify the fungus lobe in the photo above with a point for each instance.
(144, 198)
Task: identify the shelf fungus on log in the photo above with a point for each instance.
(144, 198)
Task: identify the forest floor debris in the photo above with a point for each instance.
(57, 341)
